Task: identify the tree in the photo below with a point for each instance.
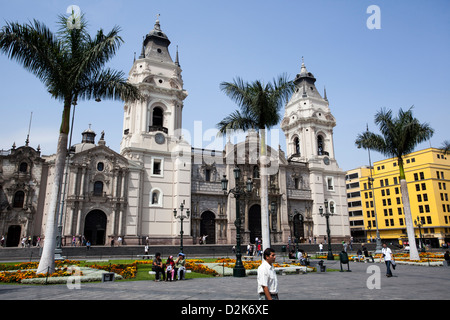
(446, 147)
(71, 66)
(259, 105)
(399, 136)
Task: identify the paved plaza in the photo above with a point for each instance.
(366, 281)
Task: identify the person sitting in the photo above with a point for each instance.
(170, 268)
(304, 259)
(180, 268)
(292, 255)
(360, 255)
(367, 255)
(158, 267)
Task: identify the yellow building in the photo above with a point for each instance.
(354, 202)
(428, 177)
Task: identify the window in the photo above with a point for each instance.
(395, 180)
(320, 145)
(207, 175)
(424, 186)
(422, 176)
(330, 183)
(157, 166)
(100, 166)
(400, 221)
(397, 190)
(297, 145)
(429, 220)
(19, 198)
(419, 198)
(416, 177)
(425, 197)
(157, 117)
(23, 167)
(98, 188)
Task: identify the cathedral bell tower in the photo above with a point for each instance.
(308, 122)
(159, 157)
(155, 121)
(308, 127)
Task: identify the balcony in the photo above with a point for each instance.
(158, 128)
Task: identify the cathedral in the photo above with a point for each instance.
(157, 186)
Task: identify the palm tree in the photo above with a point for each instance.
(446, 147)
(71, 66)
(259, 105)
(399, 136)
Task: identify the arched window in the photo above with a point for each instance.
(157, 117)
(98, 188)
(297, 145)
(23, 167)
(19, 198)
(320, 145)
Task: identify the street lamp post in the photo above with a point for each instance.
(327, 215)
(238, 191)
(181, 217)
(419, 224)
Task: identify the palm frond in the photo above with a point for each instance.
(35, 47)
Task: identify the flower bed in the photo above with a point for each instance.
(18, 276)
(127, 271)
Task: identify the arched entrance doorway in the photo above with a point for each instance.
(299, 232)
(254, 222)
(95, 227)
(13, 237)
(208, 227)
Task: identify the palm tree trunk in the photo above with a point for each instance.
(47, 261)
(413, 252)
(264, 162)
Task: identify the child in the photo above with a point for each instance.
(170, 268)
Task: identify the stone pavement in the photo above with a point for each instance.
(366, 281)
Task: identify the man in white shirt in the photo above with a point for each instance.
(267, 277)
(388, 258)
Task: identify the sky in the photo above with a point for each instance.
(394, 57)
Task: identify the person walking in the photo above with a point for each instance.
(388, 259)
(267, 277)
